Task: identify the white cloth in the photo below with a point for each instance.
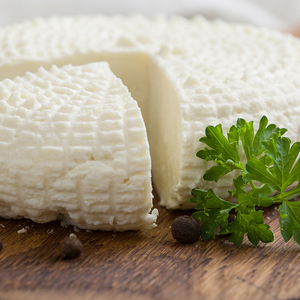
(278, 14)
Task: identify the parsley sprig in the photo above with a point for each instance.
(268, 176)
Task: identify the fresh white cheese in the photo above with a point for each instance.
(73, 146)
(185, 75)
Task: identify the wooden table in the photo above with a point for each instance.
(148, 264)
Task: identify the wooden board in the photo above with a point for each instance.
(148, 264)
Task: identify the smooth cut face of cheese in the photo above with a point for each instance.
(185, 75)
(73, 146)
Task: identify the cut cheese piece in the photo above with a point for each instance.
(185, 75)
(73, 146)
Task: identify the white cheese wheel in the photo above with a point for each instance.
(73, 146)
(185, 75)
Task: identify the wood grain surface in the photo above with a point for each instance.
(148, 264)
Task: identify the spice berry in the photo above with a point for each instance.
(71, 247)
(185, 229)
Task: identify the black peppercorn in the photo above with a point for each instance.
(185, 229)
(71, 247)
(1, 245)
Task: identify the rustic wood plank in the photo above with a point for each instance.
(144, 265)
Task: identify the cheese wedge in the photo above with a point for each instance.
(185, 75)
(73, 146)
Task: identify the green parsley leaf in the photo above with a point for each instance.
(290, 220)
(252, 223)
(271, 165)
(213, 211)
(221, 148)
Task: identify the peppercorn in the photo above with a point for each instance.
(1, 245)
(71, 247)
(186, 229)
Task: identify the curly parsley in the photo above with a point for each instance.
(271, 166)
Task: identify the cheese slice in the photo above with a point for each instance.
(185, 75)
(73, 146)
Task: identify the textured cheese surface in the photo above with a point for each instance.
(185, 75)
(73, 146)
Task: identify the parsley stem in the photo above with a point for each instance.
(293, 196)
(277, 201)
(290, 195)
(252, 184)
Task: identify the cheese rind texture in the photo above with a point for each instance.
(185, 75)
(73, 146)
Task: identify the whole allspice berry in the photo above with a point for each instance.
(186, 229)
(71, 247)
(1, 245)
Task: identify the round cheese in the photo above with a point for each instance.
(185, 75)
(73, 146)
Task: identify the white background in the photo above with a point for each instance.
(278, 14)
